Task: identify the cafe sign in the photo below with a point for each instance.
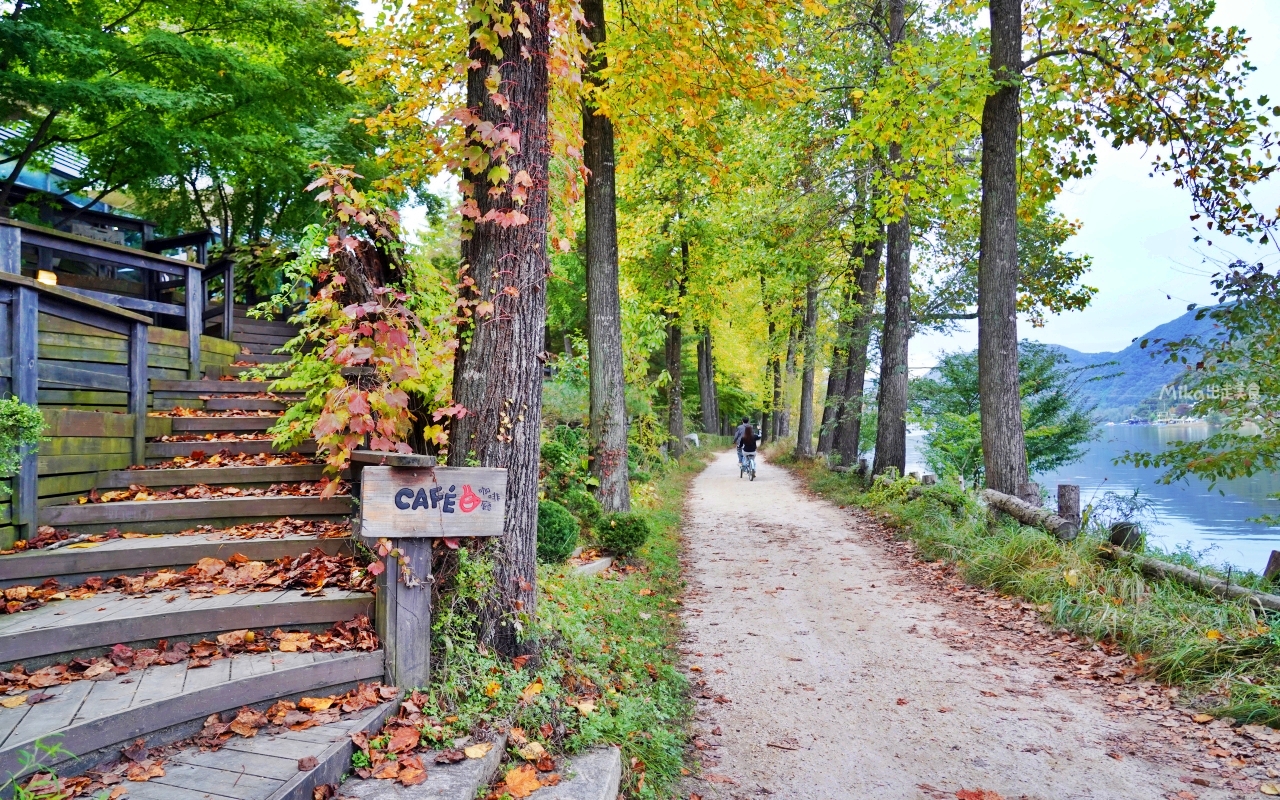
(432, 502)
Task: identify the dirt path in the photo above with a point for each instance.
(828, 667)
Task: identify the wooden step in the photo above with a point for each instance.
(210, 387)
(264, 767)
(244, 404)
(259, 349)
(164, 516)
(71, 566)
(210, 476)
(163, 451)
(262, 337)
(207, 424)
(238, 370)
(73, 628)
(166, 703)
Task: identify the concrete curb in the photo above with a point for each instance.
(593, 775)
(595, 567)
(444, 781)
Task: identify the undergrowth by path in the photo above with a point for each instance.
(607, 672)
(1225, 654)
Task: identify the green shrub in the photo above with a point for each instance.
(20, 424)
(557, 532)
(583, 505)
(623, 534)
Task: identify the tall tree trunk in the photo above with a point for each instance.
(675, 366)
(788, 380)
(837, 378)
(809, 338)
(707, 383)
(1004, 453)
(891, 402)
(608, 399)
(775, 416)
(498, 371)
(849, 433)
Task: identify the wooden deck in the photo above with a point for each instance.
(113, 557)
(92, 716)
(77, 626)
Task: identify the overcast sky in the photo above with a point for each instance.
(1147, 267)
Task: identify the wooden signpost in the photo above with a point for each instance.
(411, 503)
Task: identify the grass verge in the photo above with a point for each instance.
(608, 668)
(1224, 653)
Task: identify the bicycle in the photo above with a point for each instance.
(747, 465)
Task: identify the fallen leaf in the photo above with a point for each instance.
(13, 702)
(144, 771)
(977, 794)
(412, 772)
(308, 763)
(38, 697)
(315, 703)
(532, 751)
(1202, 718)
(1213, 635)
(523, 781)
(492, 688)
(532, 690)
(902, 701)
(586, 707)
(478, 750)
(1270, 788)
(403, 738)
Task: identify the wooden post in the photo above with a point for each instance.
(1069, 502)
(408, 502)
(195, 318)
(403, 608)
(138, 389)
(11, 249)
(25, 310)
(1273, 566)
(229, 300)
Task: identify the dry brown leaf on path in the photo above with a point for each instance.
(478, 750)
(978, 794)
(530, 691)
(523, 781)
(412, 772)
(308, 763)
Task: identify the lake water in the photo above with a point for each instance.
(1187, 513)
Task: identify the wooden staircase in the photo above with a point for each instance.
(252, 511)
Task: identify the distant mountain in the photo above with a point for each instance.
(1138, 373)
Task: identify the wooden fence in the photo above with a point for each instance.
(87, 364)
(169, 288)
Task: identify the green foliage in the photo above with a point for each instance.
(565, 465)
(604, 641)
(557, 532)
(623, 533)
(1222, 650)
(20, 426)
(207, 114)
(584, 506)
(33, 780)
(1056, 421)
(399, 355)
(1236, 378)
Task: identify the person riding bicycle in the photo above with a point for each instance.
(745, 438)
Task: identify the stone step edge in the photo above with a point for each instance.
(459, 781)
(100, 735)
(593, 775)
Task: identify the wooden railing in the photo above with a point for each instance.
(163, 276)
(23, 372)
